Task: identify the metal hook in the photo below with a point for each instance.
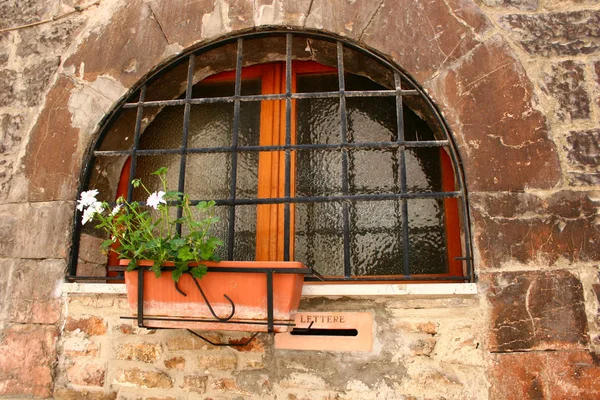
(206, 300)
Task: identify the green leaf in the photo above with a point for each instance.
(184, 254)
(199, 271)
(177, 274)
(136, 183)
(132, 265)
(160, 171)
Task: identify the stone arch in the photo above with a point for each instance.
(470, 73)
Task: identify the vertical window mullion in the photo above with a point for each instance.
(184, 137)
(234, 144)
(344, 138)
(403, 185)
(288, 140)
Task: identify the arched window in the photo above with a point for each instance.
(314, 150)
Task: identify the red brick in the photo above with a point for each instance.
(90, 325)
(82, 372)
(545, 375)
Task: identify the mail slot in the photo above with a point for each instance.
(329, 331)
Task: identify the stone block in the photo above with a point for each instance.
(217, 360)
(145, 352)
(422, 49)
(146, 379)
(281, 12)
(11, 135)
(175, 363)
(545, 375)
(189, 342)
(566, 83)
(54, 178)
(36, 79)
(76, 346)
(341, 17)
(46, 236)
(488, 101)
(129, 329)
(583, 156)
(519, 4)
(7, 87)
(83, 372)
(195, 383)
(6, 268)
(526, 228)
(27, 357)
(75, 394)
(132, 45)
(469, 13)
(555, 34)
(91, 326)
(597, 80)
(536, 311)
(35, 291)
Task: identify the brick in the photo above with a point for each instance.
(27, 357)
(91, 326)
(526, 228)
(583, 156)
(566, 83)
(536, 311)
(219, 360)
(175, 363)
(195, 383)
(74, 394)
(34, 296)
(555, 34)
(502, 138)
(82, 372)
(421, 49)
(545, 375)
(47, 236)
(146, 379)
(189, 342)
(145, 352)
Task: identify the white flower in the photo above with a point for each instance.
(89, 212)
(116, 210)
(155, 199)
(87, 199)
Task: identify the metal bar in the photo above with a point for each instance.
(252, 270)
(321, 199)
(140, 307)
(270, 318)
(344, 136)
(184, 139)
(390, 279)
(212, 321)
(403, 185)
(313, 146)
(288, 141)
(136, 144)
(246, 343)
(234, 143)
(263, 97)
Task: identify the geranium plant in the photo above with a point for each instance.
(139, 233)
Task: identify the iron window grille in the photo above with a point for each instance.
(403, 90)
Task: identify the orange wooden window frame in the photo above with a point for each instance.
(271, 168)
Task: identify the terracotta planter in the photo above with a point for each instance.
(248, 291)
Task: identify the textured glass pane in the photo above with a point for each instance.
(427, 237)
(319, 237)
(373, 172)
(376, 238)
(318, 121)
(423, 170)
(146, 165)
(319, 173)
(208, 176)
(245, 233)
(165, 131)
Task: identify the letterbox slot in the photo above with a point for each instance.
(323, 332)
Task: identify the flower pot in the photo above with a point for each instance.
(247, 290)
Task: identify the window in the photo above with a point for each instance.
(313, 150)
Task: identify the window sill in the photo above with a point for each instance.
(321, 290)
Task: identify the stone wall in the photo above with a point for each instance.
(518, 82)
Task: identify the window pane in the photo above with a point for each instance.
(426, 235)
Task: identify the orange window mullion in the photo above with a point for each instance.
(271, 169)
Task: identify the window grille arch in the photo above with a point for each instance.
(171, 85)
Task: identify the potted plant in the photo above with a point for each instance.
(184, 284)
